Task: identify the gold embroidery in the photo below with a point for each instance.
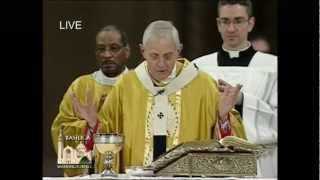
(173, 125)
(148, 149)
(178, 114)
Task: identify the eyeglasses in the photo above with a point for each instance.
(113, 49)
(238, 22)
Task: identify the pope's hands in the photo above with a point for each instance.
(229, 97)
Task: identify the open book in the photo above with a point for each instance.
(236, 143)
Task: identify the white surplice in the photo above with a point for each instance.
(260, 103)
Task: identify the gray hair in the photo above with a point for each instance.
(161, 29)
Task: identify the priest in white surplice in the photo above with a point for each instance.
(238, 63)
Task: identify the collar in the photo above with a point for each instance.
(187, 74)
(236, 53)
(105, 80)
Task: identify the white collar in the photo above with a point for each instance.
(235, 53)
(105, 80)
(187, 75)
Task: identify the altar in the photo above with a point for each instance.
(127, 177)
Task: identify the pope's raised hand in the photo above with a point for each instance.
(229, 96)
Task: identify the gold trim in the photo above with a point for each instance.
(147, 158)
(176, 106)
(178, 111)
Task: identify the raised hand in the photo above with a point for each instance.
(86, 111)
(228, 97)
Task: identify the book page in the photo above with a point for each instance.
(239, 143)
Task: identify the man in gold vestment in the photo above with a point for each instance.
(165, 101)
(112, 52)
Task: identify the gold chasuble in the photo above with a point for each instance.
(99, 86)
(190, 111)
